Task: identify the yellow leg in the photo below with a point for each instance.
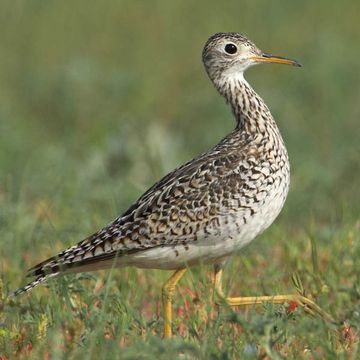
(308, 304)
(217, 282)
(167, 295)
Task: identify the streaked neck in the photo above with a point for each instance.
(249, 108)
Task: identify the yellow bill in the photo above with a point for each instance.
(275, 59)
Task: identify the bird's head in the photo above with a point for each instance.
(228, 55)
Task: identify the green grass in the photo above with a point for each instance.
(99, 100)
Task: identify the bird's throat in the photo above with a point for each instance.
(249, 108)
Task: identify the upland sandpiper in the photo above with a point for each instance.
(208, 208)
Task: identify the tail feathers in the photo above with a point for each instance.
(40, 279)
(52, 267)
(48, 267)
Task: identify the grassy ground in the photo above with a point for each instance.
(98, 100)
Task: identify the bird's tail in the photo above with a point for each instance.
(40, 279)
(78, 258)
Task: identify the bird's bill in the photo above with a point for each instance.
(275, 59)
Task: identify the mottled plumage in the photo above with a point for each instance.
(209, 207)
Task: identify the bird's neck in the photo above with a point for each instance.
(251, 113)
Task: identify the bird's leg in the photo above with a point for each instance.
(308, 305)
(167, 295)
(217, 281)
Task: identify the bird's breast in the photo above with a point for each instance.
(255, 194)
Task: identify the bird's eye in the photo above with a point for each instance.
(230, 48)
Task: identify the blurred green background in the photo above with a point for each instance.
(99, 99)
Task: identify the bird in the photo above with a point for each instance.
(208, 208)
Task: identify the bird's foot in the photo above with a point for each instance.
(308, 305)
